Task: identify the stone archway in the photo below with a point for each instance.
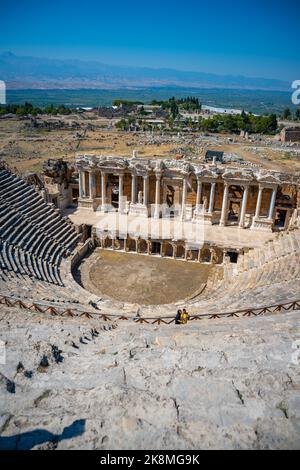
(119, 244)
(192, 254)
(217, 255)
(205, 255)
(168, 250)
(180, 251)
(155, 248)
(107, 242)
(131, 245)
(235, 197)
(143, 246)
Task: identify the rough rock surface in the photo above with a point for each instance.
(231, 383)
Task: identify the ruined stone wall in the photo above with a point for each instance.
(152, 182)
(192, 192)
(127, 186)
(98, 184)
(290, 134)
(219, 196)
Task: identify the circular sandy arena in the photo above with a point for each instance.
(142, 279)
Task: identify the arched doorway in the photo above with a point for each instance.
(131, 245)
(180, 251)
(143, 247)
(235, 197)
(155, 248)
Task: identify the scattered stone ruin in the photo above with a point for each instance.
(290, 134)
(60, 183)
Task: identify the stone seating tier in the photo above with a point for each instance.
(34, 237)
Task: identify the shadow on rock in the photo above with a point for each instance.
(28, 440)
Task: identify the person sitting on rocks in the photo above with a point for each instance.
(177, 318)
(184, 317)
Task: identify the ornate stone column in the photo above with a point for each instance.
(133, 188)
(81, 184)
(145, 189)
(212, 197)
(224, 204)
(103, 191)
(272, 203)
(212, 253)
(86, 192)
(244, 206)
(199, 192)
(258, 202)
(161, 251)
(184, 193)
(121, 178)
(92, 184)
(157, 196)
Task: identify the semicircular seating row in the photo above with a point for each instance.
(264, 276)
(34, 237)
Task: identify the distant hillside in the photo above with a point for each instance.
(40, 73)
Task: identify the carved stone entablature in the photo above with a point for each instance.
(101, 162)
(208, 175)
(268, 180)
(238, 177)
(87, 161)
(174, 166)
(108, 165)
(140, 167)
(262, 224)
(171, 168)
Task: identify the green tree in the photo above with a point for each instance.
(287, 113)
(122, 124)
(173, 108)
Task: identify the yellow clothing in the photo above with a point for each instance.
(184, 318)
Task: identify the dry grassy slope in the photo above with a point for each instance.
(28, 149)
(228, 383)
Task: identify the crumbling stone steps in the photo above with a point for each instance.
(30, 203)
(46, 247)
(37, 215)
(31, 263)
(6, 182)
(48, 221)
(16, 200)
(14, 191)
(60, 231)
(48, 271)
(23, 262)
(6, 226)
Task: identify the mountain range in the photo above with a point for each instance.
(25, 72)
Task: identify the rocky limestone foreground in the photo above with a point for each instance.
(71, 383)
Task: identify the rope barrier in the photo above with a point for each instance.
(166, 320)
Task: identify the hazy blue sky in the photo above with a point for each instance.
(253, 38)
